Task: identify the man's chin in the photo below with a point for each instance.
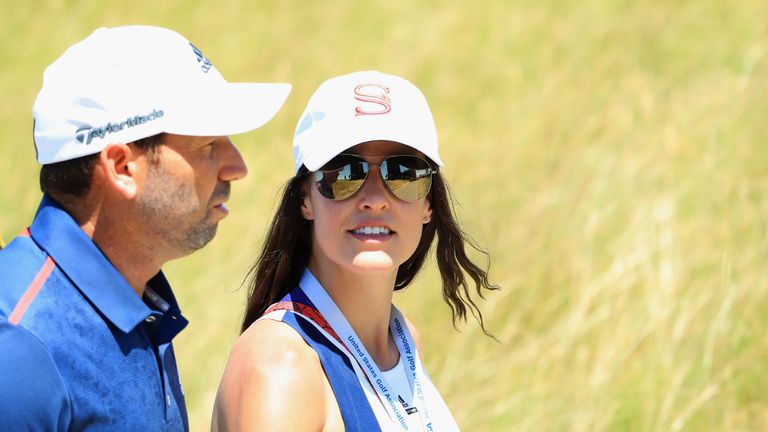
(201, 236)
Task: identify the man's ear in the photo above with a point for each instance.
(119, 165)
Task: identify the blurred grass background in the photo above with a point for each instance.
(609, 154)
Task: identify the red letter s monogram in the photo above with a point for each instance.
(381, 99)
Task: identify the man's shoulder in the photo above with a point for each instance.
(36, 295)
(22, 249)
(20, 262)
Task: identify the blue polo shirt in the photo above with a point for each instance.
(79, 350)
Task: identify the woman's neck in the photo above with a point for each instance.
(366, 301)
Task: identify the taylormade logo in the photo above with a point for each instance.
(205, 64)
(86, 134)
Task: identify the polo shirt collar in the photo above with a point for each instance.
(58, 234)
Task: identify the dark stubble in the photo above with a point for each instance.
(174, 213)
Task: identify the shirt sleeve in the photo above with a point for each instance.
(32, 392)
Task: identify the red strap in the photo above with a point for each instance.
(25, 233)
(308, 312)
(31, 292)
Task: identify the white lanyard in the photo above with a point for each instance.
(414, 368)
(403, 340)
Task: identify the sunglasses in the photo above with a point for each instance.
(407, 177)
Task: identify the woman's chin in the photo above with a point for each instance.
(374, 261)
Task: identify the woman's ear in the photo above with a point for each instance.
(119, 166)
(306, 203)
(427, 214)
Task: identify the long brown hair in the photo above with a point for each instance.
(288, 245)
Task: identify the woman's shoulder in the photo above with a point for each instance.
(270, 372)
(267, 341)
(274, 353)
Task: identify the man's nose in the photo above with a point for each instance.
(232, 164)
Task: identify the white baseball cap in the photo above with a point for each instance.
(360, 107)
(123, 84)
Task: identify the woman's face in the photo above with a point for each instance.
(339, 239)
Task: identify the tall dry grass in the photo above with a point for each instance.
(609, 154)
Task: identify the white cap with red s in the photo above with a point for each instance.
(360, 107)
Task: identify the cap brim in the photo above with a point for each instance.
(226, 109)
(314, 161)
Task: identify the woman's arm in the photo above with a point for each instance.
(273, 381)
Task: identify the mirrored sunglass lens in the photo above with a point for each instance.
(408, 177)
(341, 177)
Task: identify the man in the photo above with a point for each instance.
(131, 129)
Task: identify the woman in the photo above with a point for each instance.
(322, 347)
